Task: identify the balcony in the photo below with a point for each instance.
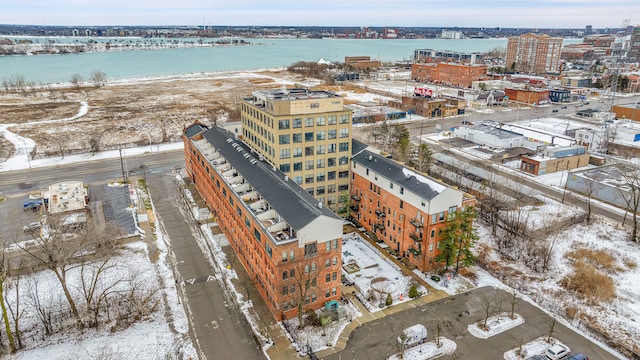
(356, 197)
(354, 207)
(378, 226)
(380, 213)
(416, 223)
(416, 237)
(415, 251)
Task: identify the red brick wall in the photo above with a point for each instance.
(266, 270)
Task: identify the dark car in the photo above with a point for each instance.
(564, 106)
(579, 356)
(32, 205)
(554, 110)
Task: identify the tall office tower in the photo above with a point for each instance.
(307, 135)
(633, 53)
(533, 54)
(588, 30)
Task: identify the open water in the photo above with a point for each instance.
(264, 53)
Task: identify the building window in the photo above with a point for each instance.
(297, 166)
(327, 263)
(331, 161)
(285, 153)
(297, 138)
(344, 160)
(333, 291)
(320, 190)
(285, 168)
(452, 210)
(331, 175)
(315, 105)
(334, 276)
(297, 123)
(321, 135)
(308, 179)
(331, 148)
(285, 274)
(335, 260)
(292, 273)
(344, 133)
(335, 243)
(310, 250)
(320, 149)
(297, 179)
(328, 278)
(308, 122)
(344, 146)
(247, 222)
(343, 174)
(267, 247)
(283, 124)
(313, 267)
(308, 165)
(320, 164)
(313, 298)
(344, 119)
(320, 119)
(256, 234)
(297, 152)
(320, 177)
(308, 151)
(308, 136)
(285, 290)
(442, 216)
(284, 139)
(390, 185)
(327, 294)
(292, 288)
(401, 204)
(401, 190)
(332, 119)
(332, 134)
(285, 258)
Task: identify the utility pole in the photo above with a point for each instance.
(124, 175)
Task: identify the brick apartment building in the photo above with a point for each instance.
(406, 210)
(533, 53)
(433, 107)
(450, 74)
(304, 133)
(284, 238)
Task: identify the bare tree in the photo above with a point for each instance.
(61, 251)
(42, 303)
(76, 81)
(589, 189)
(551, 323)
(489, 306)
(98, 78)
(513, 300)
(5, 270)
(94, 139)
(632, 197)
(304, 282)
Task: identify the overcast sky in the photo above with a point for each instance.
(436, 13)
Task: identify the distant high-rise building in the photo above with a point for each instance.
(633, 54)
(588, 30)
(533, 53)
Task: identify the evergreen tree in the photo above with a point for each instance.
(458, 239)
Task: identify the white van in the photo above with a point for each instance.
(413, 335)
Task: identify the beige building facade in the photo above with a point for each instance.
(306, 134)
(533, 53)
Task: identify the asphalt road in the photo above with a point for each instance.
(377, 339)
(217, 326)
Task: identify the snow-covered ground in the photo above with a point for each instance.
(428, 350)
(495, 325)
(376, 275)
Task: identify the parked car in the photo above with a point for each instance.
(413, 335)
(537, 357)
(554, 110)
(32, 226)
(32, 205)
(578, 356)
(557, 351)
(564, 106)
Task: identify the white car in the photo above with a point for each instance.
(557, 351)
(32, 226)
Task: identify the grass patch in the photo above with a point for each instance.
(600, 259)
(589, 283)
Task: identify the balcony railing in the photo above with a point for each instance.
(378, 226)
(356, 197)
(380, 213)
(416, 223)
(415, 251)
(354, 207)
(416, 237)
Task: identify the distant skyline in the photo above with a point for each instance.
(401, 13)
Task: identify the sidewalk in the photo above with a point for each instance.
(283, 350)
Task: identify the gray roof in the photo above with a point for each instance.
(357, 146)
(194, 130)
(495, 131)
(393, 171)
(296, 206)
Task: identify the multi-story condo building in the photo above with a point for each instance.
(633, 52)
(289, 243)
(451, 74)
(307, 135)
(533, 53)
(430, 55)
(407, 210)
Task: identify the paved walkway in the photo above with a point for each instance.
(283, 350)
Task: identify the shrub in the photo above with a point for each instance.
(312, 318)
(413, 292)
(600, 259)
(590, 283)
(389, 300)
